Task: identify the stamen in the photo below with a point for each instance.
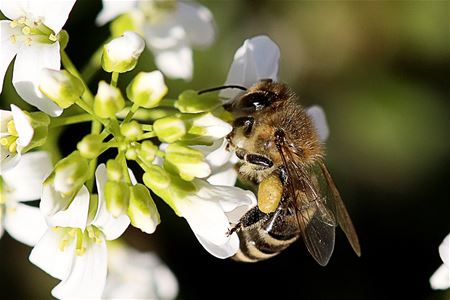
(13, 39)
(11, 128)
(13, 147)
(13, 24)
(53, 37)
(79, 250)
(26, 30)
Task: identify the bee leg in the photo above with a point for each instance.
(234, 228)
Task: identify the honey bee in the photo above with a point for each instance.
(282, 155)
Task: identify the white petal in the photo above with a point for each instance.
(48, 255)
(112, 9)
(137, 275)
(7, 49)
(169, 44)
(25, 223)
(215, 127)
(75, 216)
(206, 210)
(319, 119)
(54, 13)
(440, 280)
(111, 227)
(198, 23)
(87, 276)
(216, 155)
(225, 175)
(23, 126)
(25, 181)
(27, 68)
(13, 9)
(5, 117)
(225, 250)
(51, 200)
(256, 59)
(175, 62)
(444, 251)
(8, 160)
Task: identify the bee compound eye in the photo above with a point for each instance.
(256, 100)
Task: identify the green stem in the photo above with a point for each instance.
(67, 63)
(142, 163)
(131, 113)
(93, 66)
(96, 127)
(147, 127)
(90, 111)
(146, 135)
(123, 160)
(62, 121)
(114, 78)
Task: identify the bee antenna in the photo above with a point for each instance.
(222, 88)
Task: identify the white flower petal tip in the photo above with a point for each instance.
(198, 22)
(319, 119)
(440, 280)
(256, 59)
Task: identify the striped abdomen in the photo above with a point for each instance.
(263, 236)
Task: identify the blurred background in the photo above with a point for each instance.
(380, 70)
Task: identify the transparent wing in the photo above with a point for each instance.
(315, 219)
(340, 211)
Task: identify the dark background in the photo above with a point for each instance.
(380, 70)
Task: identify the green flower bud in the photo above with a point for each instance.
(108, 101)
(148, 151)
(189, 163)
(117, 197)
(156, 177)
(91, 146)
(147, 89)
(131, 153)
(71, 173)
(61, 87)
(168, 187)
(142, 209)
(131, 130)
(191, 102)
(114, 170)
(122, 53)
(169, 129)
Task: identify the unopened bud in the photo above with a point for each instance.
(108, 101)
(156, 177)
(117, 197)
(122, 53)
(169, 129)
(114, 170)
(191, 102)
(142, 209)
(91, 146)
(131, 131)
(61, 87)
(71, 173)
(189, 163)
(147, 89)
(148, 151)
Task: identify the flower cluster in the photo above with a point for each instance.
(89, 198)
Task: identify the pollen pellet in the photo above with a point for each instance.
(270, 192)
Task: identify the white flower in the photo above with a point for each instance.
(16, 133)
(440, 280)
(73, 249)
(31, 35)
(209, 209)
(209, 212)
(24, 183)
(137, 275)
(170, 29)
